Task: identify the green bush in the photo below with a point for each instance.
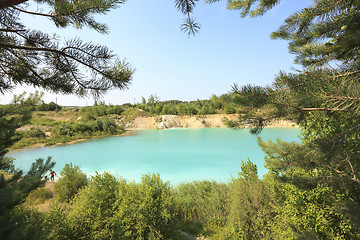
(33, 133)
(110, 208)
(201, 205)
(229, 109)
(72, 179)
(48, 107)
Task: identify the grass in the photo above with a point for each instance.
(41, 198)
(48, 121)
(131, 113)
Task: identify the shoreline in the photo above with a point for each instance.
(41, 145)
(163, 122)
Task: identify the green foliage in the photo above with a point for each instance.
(108, 208)
(313, 213)
(71, 181)
(147, 209)
(12, 117)
(214, 105)
(100, 125)
(48, 107)
(33, 132)
(201, 206)
(45, 122)
(13, 190)
(7, 164)
(28, 224)
(251, 205)
(31, 54)
(90, 212)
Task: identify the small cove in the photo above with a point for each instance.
(178, 155)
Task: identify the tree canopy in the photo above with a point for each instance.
(323, 99)
(36, 58)
(312, 190)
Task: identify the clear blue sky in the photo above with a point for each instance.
(229, 49)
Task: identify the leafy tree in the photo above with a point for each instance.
(89, 216)
(110, 208)
(71, 181)
(202, 202)
(49, 107)
(153, 100)
(35, 58)
(251, 205)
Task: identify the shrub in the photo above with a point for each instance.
(33, 133)
(229, 109)
(109, 208)
(71, 180)
(49, 107)
(202, 202)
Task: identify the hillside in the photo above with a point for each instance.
(199, 121)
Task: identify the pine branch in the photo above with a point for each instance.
(35, 13)
(4, 45)
(11, 30)
(29, 68)
(331, 7)
(342, 97)
(347, 74)
(9, 3)
(288, 88)
(343, 174)
(351, 166)
(325, 109)
(74, 76)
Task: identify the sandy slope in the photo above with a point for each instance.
(173, 121)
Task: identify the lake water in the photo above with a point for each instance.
(178, 155)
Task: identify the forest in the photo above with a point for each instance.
(311, 191)
(52, 124)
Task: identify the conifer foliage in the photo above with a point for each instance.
(15, 185)
(323, 98)
(36, 58)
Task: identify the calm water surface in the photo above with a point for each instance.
(178, 155)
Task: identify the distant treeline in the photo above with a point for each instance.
(48, 107)
(154, 106)
(66, 124)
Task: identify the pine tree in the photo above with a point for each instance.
(323, 98)
(36, 58)
(15, 185)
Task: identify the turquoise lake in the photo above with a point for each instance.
(178, 155)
